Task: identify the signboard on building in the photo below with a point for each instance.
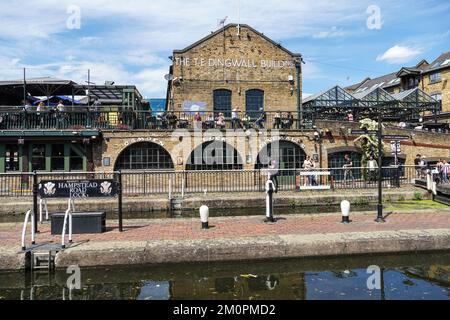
(77, 189)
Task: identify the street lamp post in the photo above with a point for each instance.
(380, 173)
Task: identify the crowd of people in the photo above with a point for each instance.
(218, 120)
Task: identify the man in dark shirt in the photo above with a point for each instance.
(348, 165)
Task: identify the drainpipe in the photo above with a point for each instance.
(298, 67)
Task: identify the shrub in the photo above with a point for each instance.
(417, 196)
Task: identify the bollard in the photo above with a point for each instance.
(345, 209)
(270, 188)
(204, 217)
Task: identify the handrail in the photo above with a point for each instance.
(68, 214)
(24, 229)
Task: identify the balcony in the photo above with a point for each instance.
(111, 119)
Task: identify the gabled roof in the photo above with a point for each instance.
(407, 71)
(234, 25)
(357, 85)
(386, 81)
(333, 97)
(441, 62)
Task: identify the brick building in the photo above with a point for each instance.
(432, 78)
(235, 66)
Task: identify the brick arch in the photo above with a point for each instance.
(144, 157)
(192, 163)
(300, 150)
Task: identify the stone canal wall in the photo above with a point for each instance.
(17, 206)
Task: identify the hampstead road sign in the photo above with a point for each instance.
(77, 189)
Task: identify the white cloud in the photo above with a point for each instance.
(399, 54)
(333, 32)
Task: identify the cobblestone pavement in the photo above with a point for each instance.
(234, 227)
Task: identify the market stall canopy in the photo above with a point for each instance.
(11, 91)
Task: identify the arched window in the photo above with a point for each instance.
(254, 101)
(214, 155)
(222, 102)
(143, 156)
(290, 156)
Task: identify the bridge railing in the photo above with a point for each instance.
(145, 183)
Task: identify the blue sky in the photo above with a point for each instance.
(130, 42)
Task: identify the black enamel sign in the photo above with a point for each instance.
(77, 189)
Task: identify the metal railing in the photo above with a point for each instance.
(145, 183)
(144, 120)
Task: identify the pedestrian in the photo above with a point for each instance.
(423, 166)
(309, 165)
(350, 117)
(348, 172)
(445, 171)
(372, 167)
(417, 161)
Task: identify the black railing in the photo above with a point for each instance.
(145, 183)
(109, 119)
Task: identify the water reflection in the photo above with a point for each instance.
(403, 277)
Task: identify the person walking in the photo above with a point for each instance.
(417, 161)
(372, 167)
(348, 172)
(308, 165)
(445, 171)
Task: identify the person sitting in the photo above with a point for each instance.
(172, 119)
(288, 121)
(183, 123)
(261, 119)
(277, 120)
(247, 121)
(235, 120)
(210, 122)
(197, 121)
(220, 121)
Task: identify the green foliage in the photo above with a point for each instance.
(417, 196)
(368, 143)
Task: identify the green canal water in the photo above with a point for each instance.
(422, 276)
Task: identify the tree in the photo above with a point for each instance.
(368, 142)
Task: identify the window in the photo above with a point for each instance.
(437, 96)
(57, 162)
(254, 101)
(435, 77)
(143, 156)
(336, 161)
(38, 157)
(12, 158)
(76, 161)
(214, 155)
(222, 102)
(291, 156)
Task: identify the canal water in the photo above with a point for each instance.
(422, 276)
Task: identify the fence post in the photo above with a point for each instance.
(35, 200)
(119, 195)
